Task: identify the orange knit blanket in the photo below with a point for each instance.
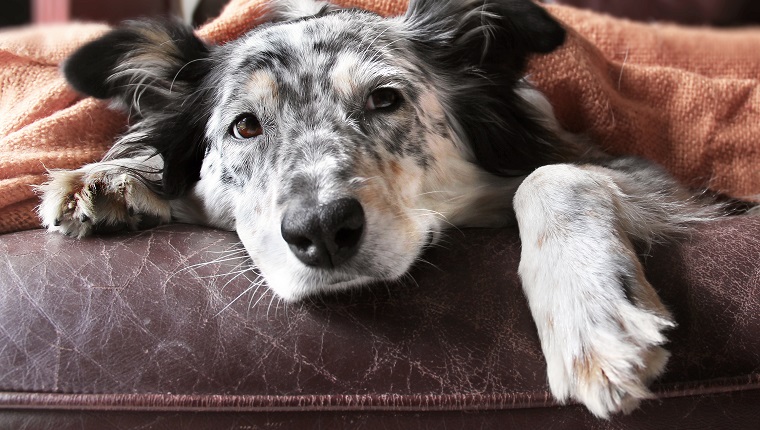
(687, 98)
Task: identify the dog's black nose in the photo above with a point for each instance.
(326, 235)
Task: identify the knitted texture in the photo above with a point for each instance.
(688, 98)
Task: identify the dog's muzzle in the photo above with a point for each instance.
(325, 235)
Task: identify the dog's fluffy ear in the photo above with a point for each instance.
(479, 48)
(488, 33)
(142, 59)
(156, 71)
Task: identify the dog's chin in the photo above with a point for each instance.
(304, 282)
(292, 280)
(295, 281)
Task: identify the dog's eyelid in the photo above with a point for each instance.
(388, 84)
(246, 126)
(385, 98)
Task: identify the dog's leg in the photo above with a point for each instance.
(107, 195)
(600, 322)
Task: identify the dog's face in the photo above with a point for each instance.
(330, 139)
(339, 143)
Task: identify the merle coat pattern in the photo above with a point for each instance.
(338, 144)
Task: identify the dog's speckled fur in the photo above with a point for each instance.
(466, 142)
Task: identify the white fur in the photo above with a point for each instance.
(105, 194)
(601, 348)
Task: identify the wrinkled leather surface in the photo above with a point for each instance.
(143, 322)
(734, 411)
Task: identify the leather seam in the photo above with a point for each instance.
(306, 403)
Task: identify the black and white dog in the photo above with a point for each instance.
(338, 144)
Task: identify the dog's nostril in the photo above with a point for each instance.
(348, 237)
(343, 220)
(303, 244)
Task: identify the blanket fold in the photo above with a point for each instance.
(687, 98)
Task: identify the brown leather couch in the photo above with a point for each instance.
(139, 331)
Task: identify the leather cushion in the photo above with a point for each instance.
(114, 317)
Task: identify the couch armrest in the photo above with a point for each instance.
(162, 321)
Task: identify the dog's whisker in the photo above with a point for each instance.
(219, 260)
(261, 296)
(258, 284)
(227, 306)
(277, 300)
(230, 252)
(438, 215)
(408, 278)
(242, 273)
(225, 274)
(428, 263)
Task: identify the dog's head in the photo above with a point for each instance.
(338, 143)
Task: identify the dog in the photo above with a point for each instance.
(339, 144)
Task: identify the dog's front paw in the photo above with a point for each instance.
(607, 359)
(77, 202)
(67, 203)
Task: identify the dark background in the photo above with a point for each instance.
(690, 12)
(15, 12)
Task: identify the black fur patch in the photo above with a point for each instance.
(156, 69)
(482, 62)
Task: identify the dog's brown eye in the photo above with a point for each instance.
(246, 127)
(383, 99)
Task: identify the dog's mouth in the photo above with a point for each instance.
(293, 280)
(340, 283)
(312, 249)
(362, 271)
